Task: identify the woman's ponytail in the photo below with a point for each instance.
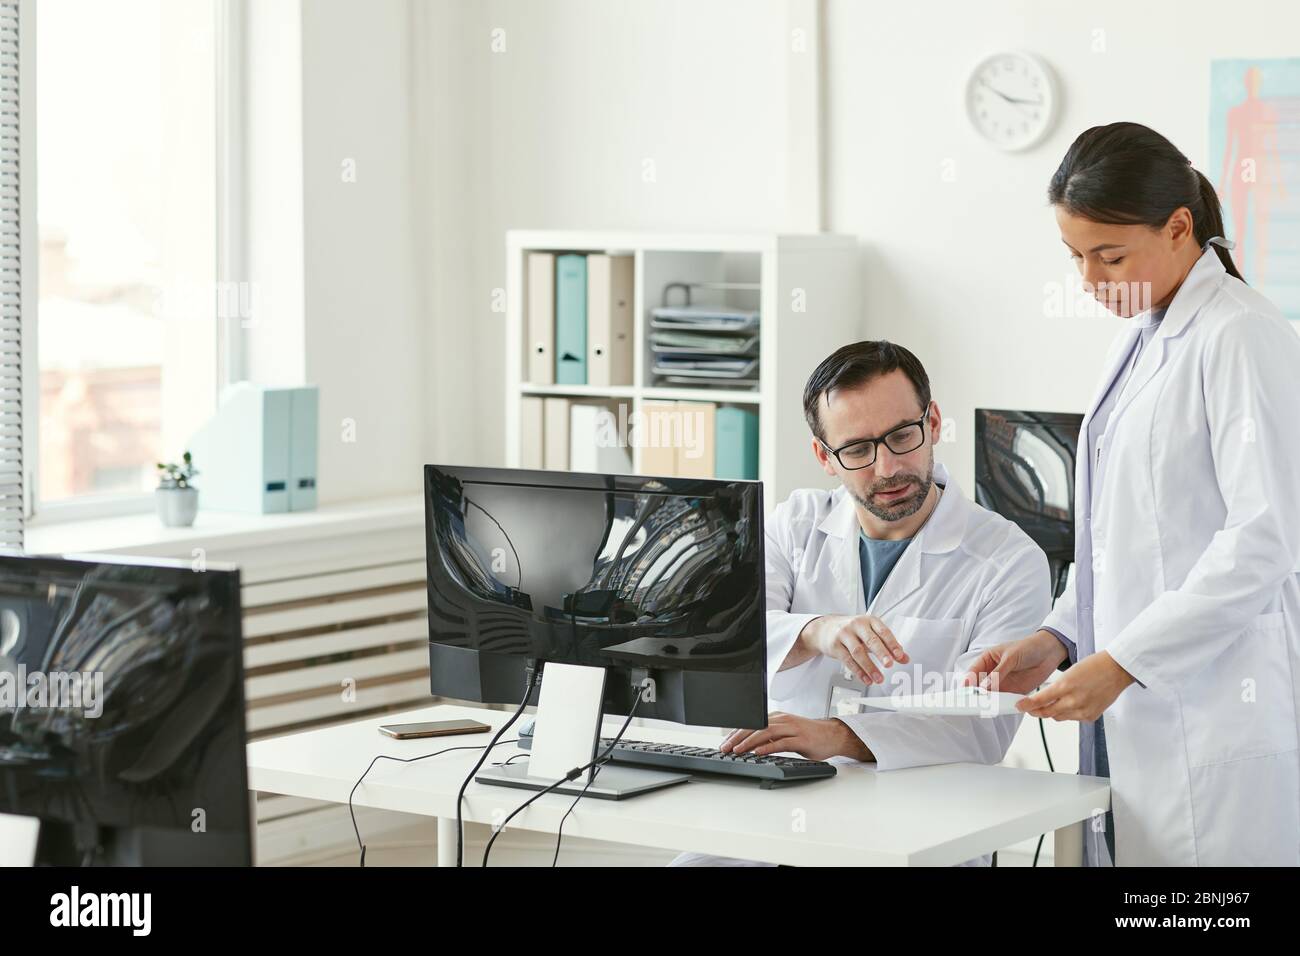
(1208, 221)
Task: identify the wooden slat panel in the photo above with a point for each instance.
(325, 555)
(335, 642)
(332, 675)
(399, 693)
(334, 612)
(302, 613)
(296, 589)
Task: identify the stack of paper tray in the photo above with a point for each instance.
(705, 345)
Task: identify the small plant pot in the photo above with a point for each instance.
(177, 507)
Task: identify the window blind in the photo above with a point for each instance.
(11, 303)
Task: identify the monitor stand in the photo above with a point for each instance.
(566, 735)
(613, 781)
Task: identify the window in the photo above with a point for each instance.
(127, 184)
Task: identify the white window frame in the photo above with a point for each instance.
(232, 217)
(230, 267)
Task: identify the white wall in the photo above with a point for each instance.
(670, 114)
(332, 252)
(365, 334)
(956, 270)
(465, 120)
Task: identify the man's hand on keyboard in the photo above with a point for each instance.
(806, 736)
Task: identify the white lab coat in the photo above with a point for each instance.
(1192, 585)
(969, 579)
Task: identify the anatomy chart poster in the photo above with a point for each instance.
(1254, 163)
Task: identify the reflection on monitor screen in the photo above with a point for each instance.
(614, 571)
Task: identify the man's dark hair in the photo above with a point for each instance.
(857, 364)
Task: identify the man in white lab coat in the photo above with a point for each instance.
(893, 583)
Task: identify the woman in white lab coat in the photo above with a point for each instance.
(1182, 618)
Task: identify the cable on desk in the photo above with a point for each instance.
(534, 672)
(602, 760)
(379, 757)
(559, 832)
(567, 778)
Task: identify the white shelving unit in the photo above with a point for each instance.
(809, 302)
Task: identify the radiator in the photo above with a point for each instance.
(329, 641)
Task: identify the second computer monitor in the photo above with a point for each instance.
(642, 576)
(1024, 471)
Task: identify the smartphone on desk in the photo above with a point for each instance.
(434, 728)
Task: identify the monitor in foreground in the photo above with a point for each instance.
(122, 711)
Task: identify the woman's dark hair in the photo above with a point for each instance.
(1127, 174)
(857, 364)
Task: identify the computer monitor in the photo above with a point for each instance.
(657, 577)
(122, 711)
(1024, 470)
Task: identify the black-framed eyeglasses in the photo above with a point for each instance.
(861, 452)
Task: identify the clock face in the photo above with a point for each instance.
(1011, 99)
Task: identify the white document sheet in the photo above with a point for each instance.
(958, 702)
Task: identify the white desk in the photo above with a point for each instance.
(927, 816)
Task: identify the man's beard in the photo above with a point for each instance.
(904, 507)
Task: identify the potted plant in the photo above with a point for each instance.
(176, 498)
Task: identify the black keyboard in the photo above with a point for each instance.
(770, 771)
